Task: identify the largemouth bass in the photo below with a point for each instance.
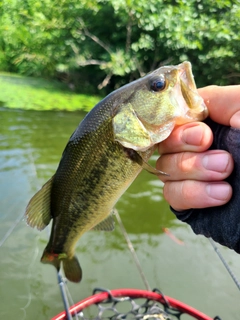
(105, 154)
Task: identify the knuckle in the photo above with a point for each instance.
(172, 192)
(187, 191)
(180, 194)
(185, 162)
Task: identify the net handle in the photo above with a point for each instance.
(132, 293)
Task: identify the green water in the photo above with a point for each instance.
(20, 92)
(31, 144)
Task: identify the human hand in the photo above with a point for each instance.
(196, 174)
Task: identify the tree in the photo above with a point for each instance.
(95, 44)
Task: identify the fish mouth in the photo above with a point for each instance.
(197, 108)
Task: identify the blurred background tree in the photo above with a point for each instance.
(101, 44)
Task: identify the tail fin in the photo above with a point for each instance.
(71, 266)
(72, 269)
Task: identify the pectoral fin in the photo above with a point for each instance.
(129, 130)
(153, 170)
(136, 157)
(38, 213)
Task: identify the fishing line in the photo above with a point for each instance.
(21, 216)
(26, 306)
(10, 230)
(62, 287)
(65, 293)
(34, 257)
(132, 250)
(71, 300)
(234, 278)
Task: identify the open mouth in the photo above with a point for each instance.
(189, 91)
(188, 86)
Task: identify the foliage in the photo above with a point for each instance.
(92, 44)
(28, 93)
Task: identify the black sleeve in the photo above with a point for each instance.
(221, 223)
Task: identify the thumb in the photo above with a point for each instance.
(223, 104)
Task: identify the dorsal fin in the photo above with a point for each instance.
(38, 212)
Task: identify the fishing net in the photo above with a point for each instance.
(131, 304)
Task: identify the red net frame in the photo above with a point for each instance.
(105, 295)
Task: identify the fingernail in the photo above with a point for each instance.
(216, 162)
(193, 135)
(235, 120)
(218, 191)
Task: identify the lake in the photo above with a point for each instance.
(31, 144)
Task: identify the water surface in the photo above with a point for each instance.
(31, 144)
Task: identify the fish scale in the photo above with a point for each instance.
(105, 154)
(98, 178)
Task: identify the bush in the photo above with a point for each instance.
(101, 44)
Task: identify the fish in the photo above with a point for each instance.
(105, 154)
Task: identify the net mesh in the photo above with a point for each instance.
(130, 308)
(131, 304)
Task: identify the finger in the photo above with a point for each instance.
(211, 165)
(195, 137)
(182, 195)
(223, 104)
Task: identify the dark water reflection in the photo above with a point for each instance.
(31, 144)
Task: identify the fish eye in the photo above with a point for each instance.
(158, 84)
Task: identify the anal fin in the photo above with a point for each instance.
(107, 224)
